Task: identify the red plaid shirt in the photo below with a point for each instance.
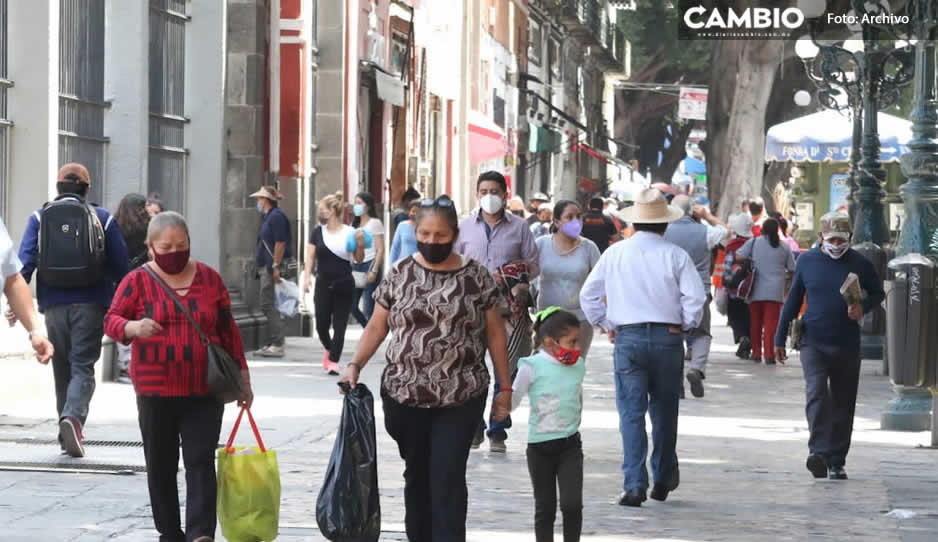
(173, 362)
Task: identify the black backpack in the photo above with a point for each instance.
(72, 252)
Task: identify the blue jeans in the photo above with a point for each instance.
(648, 361)
(368, 292)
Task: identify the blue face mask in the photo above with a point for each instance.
(358, 209)
(260, 207)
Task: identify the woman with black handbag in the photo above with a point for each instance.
(177, 312)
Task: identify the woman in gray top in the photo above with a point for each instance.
(772, 261)
(566, 259)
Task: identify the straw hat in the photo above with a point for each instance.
(268, 192)
(650, 208)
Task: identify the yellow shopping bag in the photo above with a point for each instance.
(248, 489)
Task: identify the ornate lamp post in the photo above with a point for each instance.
(910, 410)
(871, 76)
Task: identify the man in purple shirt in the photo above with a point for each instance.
(494, 238)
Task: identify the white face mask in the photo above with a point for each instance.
(836, 251)
(491, 203)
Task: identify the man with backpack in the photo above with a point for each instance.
(79, 255)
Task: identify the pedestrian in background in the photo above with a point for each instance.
(784, 234)
(598, 225)
(154, 204)
(363, 300)
(169, 373)
(534, 205)
(737, 310)
(20, 298)
(74, 286)
(830, 344)
(495, 239)
(772, 262)
(274, 246)
(698, 232)
(757, 211)
(404, 244)
(516, 206)
(403, 211)
(441, 309)
(565, 259)
(331, 249)
(646, 315)
(553, 380)
(133, 218)
(544, 218)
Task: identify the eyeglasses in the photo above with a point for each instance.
(443, 202)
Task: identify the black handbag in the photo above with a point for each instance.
(223, 372)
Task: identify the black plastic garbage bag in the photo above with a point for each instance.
(348, 508)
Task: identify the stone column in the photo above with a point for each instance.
(126, 123)
(33, 107)
(329, 98)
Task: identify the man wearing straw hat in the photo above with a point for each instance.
(273, 248)
(652, 295)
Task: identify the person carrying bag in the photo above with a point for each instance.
(248, 489)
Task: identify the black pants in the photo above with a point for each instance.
(333, 304)
(831, 377)
(196, 422)
(434, 444)
(737, 312)
(557, 463)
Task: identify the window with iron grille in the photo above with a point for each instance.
(4, 123)
(81, 89)
(168, 169)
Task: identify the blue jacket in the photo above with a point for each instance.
(118, 264)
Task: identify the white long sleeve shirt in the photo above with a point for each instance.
(643, 279)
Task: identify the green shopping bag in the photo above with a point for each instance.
(248, 489)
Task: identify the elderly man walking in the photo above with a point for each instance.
(646, 316)
(697, 232)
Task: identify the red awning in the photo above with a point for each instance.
(595, 153)
(486, 139)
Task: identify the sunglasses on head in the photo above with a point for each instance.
(443, 202)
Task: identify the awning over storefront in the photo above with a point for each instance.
(390, 88)
(486, 139)
(826, 136)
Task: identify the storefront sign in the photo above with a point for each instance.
(692, 103)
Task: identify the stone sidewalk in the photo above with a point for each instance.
(741, 448)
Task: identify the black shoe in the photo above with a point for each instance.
(659, 492)
(836, 473)
(770, 362)
(634, 498)
(696, 378)
(756, 360)
(817, 464)
(745, 348)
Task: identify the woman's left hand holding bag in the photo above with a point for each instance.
(247, 395)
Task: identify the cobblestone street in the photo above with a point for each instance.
(741, 448)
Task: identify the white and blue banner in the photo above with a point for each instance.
(827, 136)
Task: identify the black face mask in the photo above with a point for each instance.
(323, 220)
(435, 252)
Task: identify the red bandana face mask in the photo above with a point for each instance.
(172, 262)
(566, 356)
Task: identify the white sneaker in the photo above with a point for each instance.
(497, 446)
(272, 352)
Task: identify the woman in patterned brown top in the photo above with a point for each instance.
(442, 310)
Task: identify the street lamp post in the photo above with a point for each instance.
(910, 409)
(871, 77)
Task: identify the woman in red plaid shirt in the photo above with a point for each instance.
(168, 370)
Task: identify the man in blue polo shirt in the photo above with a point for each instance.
(830, 347)
(75, 315)
(273, 248)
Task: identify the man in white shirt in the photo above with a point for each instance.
(20, 297)
(652, 294)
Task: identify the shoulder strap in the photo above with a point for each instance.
(169, 291)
